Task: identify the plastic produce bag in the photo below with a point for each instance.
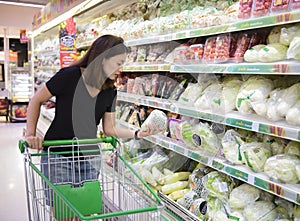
(261, 211)
(251, 55)
(275, 144)
(272, 103)
(293, 114)
(157, 122)
(231, 143)
(289, 98)
(274, 36)
(273, 52)
(294, 49)
(293, 147)
(255, 154)
(230, 91)
(282, 168)
(191, 93)
(288, 33)
(243, 195)
(255, 89)
(284, 209)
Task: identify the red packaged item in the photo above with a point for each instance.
(280, 6)
(222, 48)
(295, 4)
(245, 9)
(243, 43)
(210, 49)
(180, 56)
(196, 53)
(261, 8)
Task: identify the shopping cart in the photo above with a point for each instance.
(117, 193)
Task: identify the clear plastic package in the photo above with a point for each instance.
(245, 9)
(280, 6)
(261, 8)
(243, 43)
(295, 4)
(222, 48)
(180, 54)
(196, 53)
(210, 49)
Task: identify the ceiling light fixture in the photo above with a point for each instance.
(22, 4)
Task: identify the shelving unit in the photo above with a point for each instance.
(250, 122)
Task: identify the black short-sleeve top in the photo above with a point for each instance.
(77, 113)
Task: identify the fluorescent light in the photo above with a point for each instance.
(22, 4)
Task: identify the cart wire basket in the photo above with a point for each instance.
(98, 184)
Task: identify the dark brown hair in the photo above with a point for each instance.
(106, 46)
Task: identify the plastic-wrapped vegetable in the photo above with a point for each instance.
(273, 52)
(294, 49)
(261, 210)
(289, 97)
(275, 144)
(243, 195)
(251, 55)
(169, 188)
(172, 178)
(272, 103)
(255, 154)
(237, 215)
(230, 91)
(274, 36)
(293, 147)
(296, 212)
(284, 209)
(282, 168)
(293, 114)
(288, 33)
(255, 89)
(231, 143)
(157, 122)
(218, 185)
(191, 93)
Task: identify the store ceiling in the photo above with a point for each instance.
(16, 17)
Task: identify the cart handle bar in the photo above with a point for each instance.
(46, 143)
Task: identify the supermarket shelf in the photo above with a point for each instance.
(48, 68)
(290, 192)
(282, 67)
(255, 23)
(250, 122)
(147, 67)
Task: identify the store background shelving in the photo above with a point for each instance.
(250, 122)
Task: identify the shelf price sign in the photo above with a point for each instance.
(67, 40)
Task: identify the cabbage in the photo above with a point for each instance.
(157, 122)
(293, 147)
(288, 34)
(272, 103)
(218, 185)
(284, 208)
(255, 155)
(237, 215)
(231, 143)
(191, 93)
(251, 55)
(289, 98)
(296, 212)
(260, 210)
(243, 195)
(272, 52)
(282, 168)
(230, 92)
(255, 89)
(293, 114)
(276, 145)
(294, 49)
(274, 36)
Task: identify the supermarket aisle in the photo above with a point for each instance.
(13, 205)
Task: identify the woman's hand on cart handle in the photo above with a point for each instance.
(34, 142)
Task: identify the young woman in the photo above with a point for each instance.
(85, 95)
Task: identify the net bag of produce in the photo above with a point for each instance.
(157, 122)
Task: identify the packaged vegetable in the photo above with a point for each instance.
(245, 9)
(180, 54)
(288, 99)
(237, 215)
(178, 194)
(218, 185)
(272, 103)
(261, 8)
(280, 6)
(191, 93)
(288, 33)
(255, 155)
(275, 144)
(231, 143)
(242, 46)
(157, 122)
(223, 46)
(174, 128)
(255, 89)
(293, 114)
(210, 50)
(172, 178)
(157, 175)
(251, 55)
(274, 36)
(272, 52)
(197, 51)
(178, 90)
(261, 211)
(187, 200)
(284, 209)
(294, 49)
(199, 208)
(147, 176)
(243, 195)
(293, 147)
(282, 168)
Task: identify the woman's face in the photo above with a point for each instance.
(113, 66)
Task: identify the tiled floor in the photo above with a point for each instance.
(13, 206)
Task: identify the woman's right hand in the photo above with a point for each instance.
(34, 142)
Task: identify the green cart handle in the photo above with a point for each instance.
(46, 143)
